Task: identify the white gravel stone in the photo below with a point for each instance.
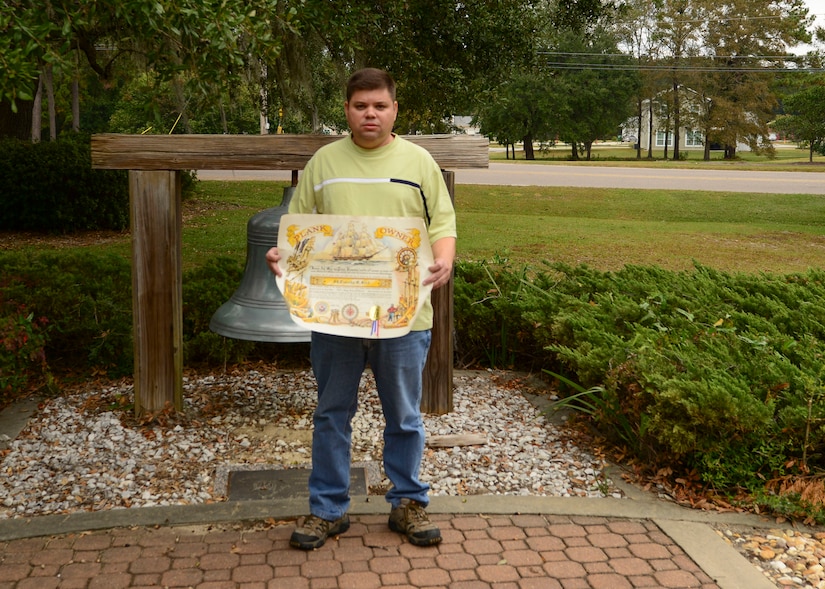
(77, 454)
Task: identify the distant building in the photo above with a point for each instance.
(689, 138)
(464, 125)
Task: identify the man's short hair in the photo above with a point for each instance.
(370, 79)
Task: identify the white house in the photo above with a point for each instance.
(689, 138)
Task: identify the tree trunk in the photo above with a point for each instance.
(588, 145)
(37, 112)
(811, 153)
(677, 120)
(649, 129)
(575, 151)
(48, 80)
(264, 100)
(183, 117)
(528, 147)
(639, 131)
(707, 148)
(75, 105)
(224, 126)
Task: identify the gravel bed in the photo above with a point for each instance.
(789, 558)
(86, 452)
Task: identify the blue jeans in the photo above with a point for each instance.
(338, 363)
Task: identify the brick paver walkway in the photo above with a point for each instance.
(478, 552)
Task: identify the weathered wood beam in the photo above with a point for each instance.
(157, 298)
(437, 379)
(258, 152)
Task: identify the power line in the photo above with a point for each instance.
(788, 57)
(680, 64)
(562, 65)
(642, 68)
(676, 21)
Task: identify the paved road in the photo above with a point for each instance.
(652, 178)
(513, 174)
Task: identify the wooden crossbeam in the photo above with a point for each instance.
(258, 152)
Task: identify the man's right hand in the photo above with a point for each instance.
(272, 259)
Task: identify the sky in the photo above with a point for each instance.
(817, 8)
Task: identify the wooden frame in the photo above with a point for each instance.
(154, 163)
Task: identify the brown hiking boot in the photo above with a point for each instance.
(315, 531)
(410, 519)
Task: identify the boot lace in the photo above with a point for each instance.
(416, 515)
(316, 525)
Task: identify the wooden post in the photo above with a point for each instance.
(437, 394)
(157, 294)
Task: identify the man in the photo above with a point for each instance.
(373, 172)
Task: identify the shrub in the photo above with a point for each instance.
(22, 353)
(88, 303)
(700, 370)
(87, 298)
(205, 289)
(50, 186)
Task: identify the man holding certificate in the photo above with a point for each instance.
(373, 173)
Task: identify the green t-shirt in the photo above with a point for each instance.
(400, 179)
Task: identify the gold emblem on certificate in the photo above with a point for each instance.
(354, 276)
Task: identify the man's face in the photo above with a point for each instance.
(371, 115)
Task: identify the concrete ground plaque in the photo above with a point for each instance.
(275, 484)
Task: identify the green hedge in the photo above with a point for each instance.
(50, 186)
(701, 371)
(85, 299)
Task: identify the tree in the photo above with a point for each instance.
(719, 55)
(204, 45)
(22, 27)
(445, 55)
(522, 109)
(806, 118)
(741, 99)
(635, 33)
(546, 97)
(678, 27)
(597, 95)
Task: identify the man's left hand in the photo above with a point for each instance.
(440, 273)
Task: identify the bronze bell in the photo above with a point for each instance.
(257, 311)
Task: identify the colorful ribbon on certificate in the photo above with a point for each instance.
(375, 315)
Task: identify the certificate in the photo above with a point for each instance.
(354, 276)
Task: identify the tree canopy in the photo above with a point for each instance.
(805, 120)
(554, 67)
(205, 45)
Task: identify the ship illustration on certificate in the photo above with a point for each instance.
(354, 276)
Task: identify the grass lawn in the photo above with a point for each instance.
(607, 229)
(787, 157)
(603, 228)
